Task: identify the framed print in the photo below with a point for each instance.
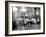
(24, 18)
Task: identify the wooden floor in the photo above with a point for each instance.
(32, 27)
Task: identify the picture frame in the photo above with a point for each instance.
(26, 11)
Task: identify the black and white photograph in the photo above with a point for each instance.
(24, 18)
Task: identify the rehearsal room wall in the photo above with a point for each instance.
(2, 19)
